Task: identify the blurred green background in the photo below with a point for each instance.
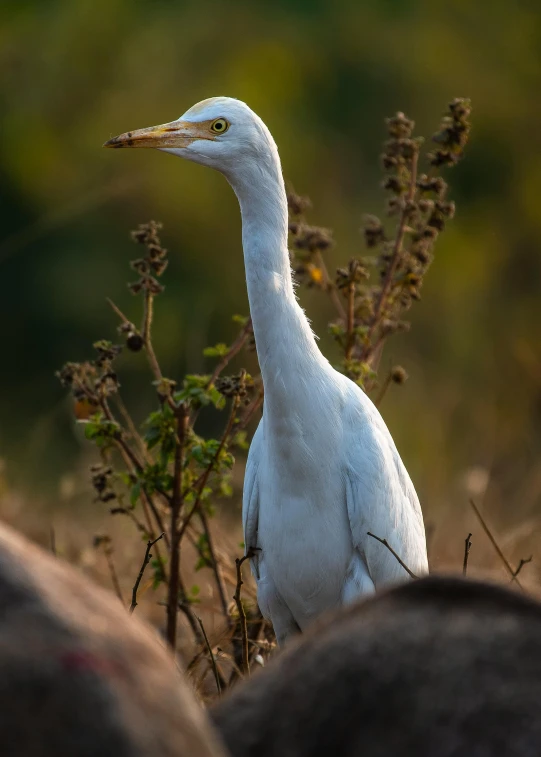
(323, 74)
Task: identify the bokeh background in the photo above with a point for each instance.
(323, 74)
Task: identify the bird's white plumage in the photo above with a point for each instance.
(322, 469)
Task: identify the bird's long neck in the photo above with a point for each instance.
(286, 346)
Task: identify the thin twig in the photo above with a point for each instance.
(495, 544)
(242, 614)
(391, 550)
(521, 564)
(211, 654)
(118, 311)
(145, 562)
(467, 547)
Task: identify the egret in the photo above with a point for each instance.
(322, 469)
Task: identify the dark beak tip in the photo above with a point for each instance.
(114, 142)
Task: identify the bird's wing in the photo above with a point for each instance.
(381, 499)
(250, 497)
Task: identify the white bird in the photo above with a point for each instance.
(323, 469)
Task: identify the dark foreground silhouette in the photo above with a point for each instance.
(440, 667)
(79, 677)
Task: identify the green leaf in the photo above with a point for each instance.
(91, 430)
(135, 493)
(101, 431)
(204, 560)
(219, 350)
(226, 490)
(197, 392)
(240, 440)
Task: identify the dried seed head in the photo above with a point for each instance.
(312, 238)
(134, 341)
(136, 287)
(393, 184)
(433, 184)
(232, 386)
(425, 205)
(399, 126)
(158, 266)
(398, 374)
(373, 231)
(297, 205)
(453, 134)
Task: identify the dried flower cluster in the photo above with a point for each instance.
(372, 294)
(154, 263)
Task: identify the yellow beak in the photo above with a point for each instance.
(173, 134)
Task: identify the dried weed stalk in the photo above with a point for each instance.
(372, 294)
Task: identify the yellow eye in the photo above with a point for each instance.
(219, 126)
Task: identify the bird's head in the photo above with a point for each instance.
(220, 132)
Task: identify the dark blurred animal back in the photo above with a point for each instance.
(439, 667)
(79, 677)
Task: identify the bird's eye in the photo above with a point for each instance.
(219, 126)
